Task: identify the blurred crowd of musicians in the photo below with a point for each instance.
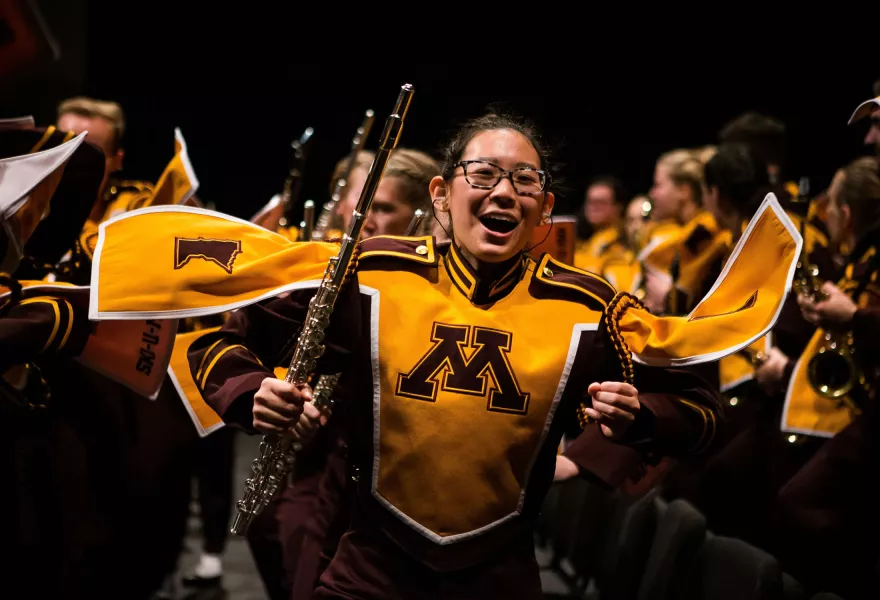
(99, 479)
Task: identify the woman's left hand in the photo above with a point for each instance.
(615, 405)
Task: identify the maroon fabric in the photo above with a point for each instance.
(276, 537)
(268, 329)
(828, 522)
(866, 331)
(368, 566)
(294, 538)
(25, 329)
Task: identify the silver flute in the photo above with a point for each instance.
(278, 451)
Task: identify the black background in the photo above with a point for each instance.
(240, 85)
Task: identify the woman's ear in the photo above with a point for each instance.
(437, 188)
(846, 216)
(547, 210)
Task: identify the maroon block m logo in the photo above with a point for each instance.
(467, 360)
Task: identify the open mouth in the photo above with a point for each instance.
(498, 224)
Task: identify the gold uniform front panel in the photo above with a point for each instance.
(465, 398)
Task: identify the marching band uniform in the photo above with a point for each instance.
(827, 525)
(396, 262)
(105, 463)
(437, 507)
(591, 254)
(735, 486)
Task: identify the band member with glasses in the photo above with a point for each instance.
(464, 363)
(601, 224)
(495, 189)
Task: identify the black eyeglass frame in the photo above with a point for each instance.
(542, 174)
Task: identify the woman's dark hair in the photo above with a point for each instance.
(497, 119)
(762, 133)
(740, 177)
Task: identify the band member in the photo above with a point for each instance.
(105, 123)
(677, 266)
(401, 192)
(294, 540)
(56, 532)
(735, 485)
(637, 213)
(603, 213)
(766, 138)
(132, 449)
(828, 526)
(450, 471)
(492, 217)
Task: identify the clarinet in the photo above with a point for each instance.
(417, 219)
(278, 452)
(329, 208)
(293, 182)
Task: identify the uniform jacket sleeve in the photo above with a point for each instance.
(679, 415)
(229, 365)
(41, 326)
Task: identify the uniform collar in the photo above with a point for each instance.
(481, 291)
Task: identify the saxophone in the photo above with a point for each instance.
(329, 209)
(832, 370)
(278, 452)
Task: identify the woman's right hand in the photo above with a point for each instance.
(278, 405)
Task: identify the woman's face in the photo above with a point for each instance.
(666, 196)
(635, 222)
(494, 225)
(600, 208)
(390, 213)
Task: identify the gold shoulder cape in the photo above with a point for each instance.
(176, 261)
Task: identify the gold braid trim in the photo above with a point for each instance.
(353, 265)
(611, 325)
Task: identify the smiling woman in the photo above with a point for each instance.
(463, 363)
(454, 466)
(494, 184)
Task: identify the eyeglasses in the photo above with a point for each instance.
(485, 176)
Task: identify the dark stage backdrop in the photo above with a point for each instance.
(240, 96)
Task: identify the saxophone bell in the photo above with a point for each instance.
(832, 371)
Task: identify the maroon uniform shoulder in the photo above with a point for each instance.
(383, 250)
(698, 239)
(552, 279)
